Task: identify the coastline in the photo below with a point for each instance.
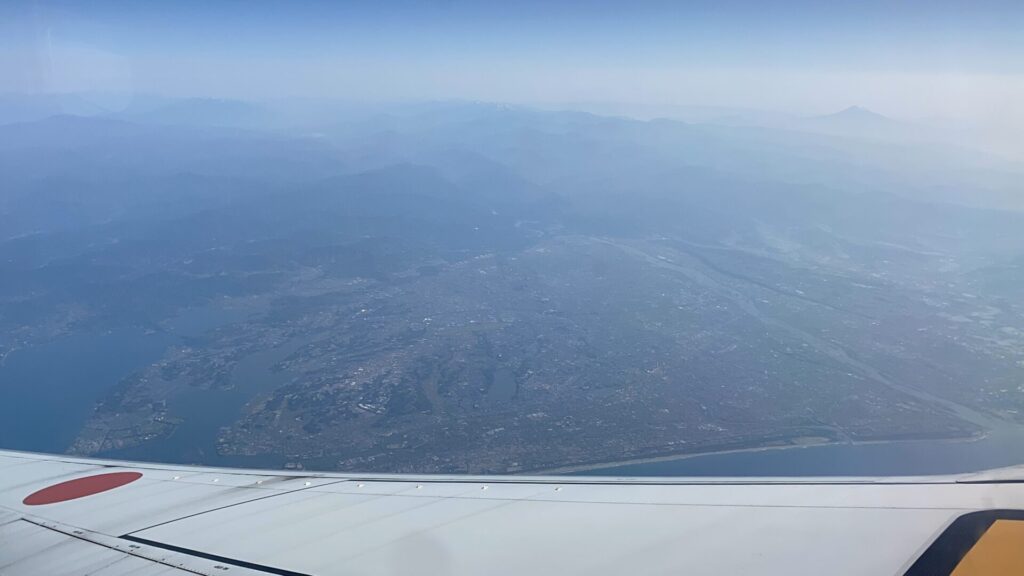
(573, 469)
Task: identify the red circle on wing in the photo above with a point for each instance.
(80, 487)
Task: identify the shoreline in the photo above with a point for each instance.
(756, 449)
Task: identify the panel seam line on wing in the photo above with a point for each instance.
(200, 513)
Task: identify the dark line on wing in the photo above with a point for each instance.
(77, 535)
(214, 557)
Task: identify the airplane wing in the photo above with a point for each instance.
(65, 515)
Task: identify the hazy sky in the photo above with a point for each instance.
(907, 59)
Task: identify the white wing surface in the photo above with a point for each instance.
(64, 515)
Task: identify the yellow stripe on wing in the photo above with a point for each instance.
(999, 552)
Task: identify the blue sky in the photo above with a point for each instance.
(911, 58)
